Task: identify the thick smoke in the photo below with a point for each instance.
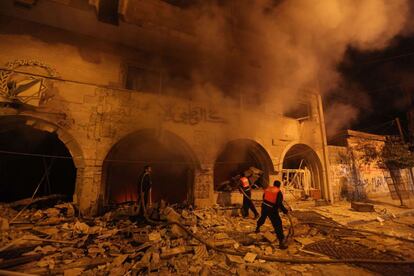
(273, 49)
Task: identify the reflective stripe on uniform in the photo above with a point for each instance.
(269, 205)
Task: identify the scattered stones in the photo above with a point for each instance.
(4, 224)
(380, 220)
(234, 259)
(269, 237)
(250, 257)
(200, 252)
(304, 241)
(168, 253)
(268, 250)
(114, 244)
(154, 237)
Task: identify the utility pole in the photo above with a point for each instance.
(410, 170)
(397, 120)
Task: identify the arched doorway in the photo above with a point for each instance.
(172, 161)
(239, 155)
(302, 171)
(32, 155)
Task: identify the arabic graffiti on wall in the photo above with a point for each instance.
(190, 114)
(375, 184)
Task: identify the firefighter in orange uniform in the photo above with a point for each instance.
(245, 189)
(272, 202)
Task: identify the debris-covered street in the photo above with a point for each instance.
(55, 240)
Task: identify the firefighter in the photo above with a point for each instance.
(245, 189)
(144, 187)
(272, 202)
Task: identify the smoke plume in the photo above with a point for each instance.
(272, 50)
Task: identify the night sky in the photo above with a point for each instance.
(377, 83)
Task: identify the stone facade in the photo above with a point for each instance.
(89, 109)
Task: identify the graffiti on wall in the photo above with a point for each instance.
(341, 179)
(190, 114)
(375, 184)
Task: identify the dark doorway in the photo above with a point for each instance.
(26, 162)
(238, 156)
(172, 163)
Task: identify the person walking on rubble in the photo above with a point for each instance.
(272, 202)
(144, 187)
(245, 189)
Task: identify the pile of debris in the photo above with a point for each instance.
(57, 241)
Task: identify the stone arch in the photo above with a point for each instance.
(27, 130)
(173, 161)
(238, 155)
(301, 156)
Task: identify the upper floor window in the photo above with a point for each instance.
(142, 79)
(301, 111)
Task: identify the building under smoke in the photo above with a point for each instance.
(90, 94)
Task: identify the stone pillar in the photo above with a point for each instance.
(89, 190)
(203, 187)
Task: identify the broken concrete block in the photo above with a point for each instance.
(222, 243)
(269, 237)
(117, 271)
(140, 238)
(154, 236)
(380, 220)
(67, 209)
(155, 259)
(95, 250)
(46, 249)
(73, 272)
(168, 253)
(145, 260)
(205, 271)
(241, 271)
(304, 241)
(108, 233)
(200, 252)
(171, 215)
(362, 207)
(221, 236)
(119, 260)
(234, 259)
(81, 227)
(250, 257)
(4, 224)
(177, 232)
(52, 212)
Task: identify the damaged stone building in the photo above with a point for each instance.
(86, 103)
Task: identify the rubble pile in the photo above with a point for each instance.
(57, 241)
